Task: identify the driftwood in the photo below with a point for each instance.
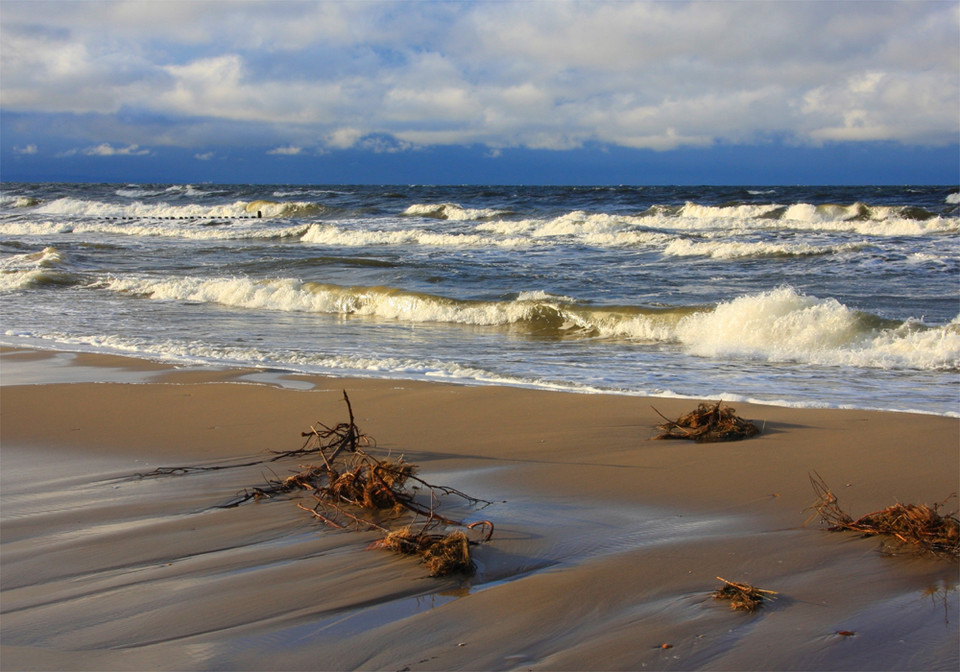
(919, 527)
(742, 596)
(708, 424)
(354, 490)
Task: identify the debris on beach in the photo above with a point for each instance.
(442, 554)
(708, 424)
(354, 490)
(918, 526)
(742, 596)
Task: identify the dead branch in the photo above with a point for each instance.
(917, 526)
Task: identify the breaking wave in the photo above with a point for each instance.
(777, 326)
(684, 247)
(452, 211)
(35, 269)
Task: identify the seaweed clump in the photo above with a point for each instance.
(920, 527)
(742, 596)
(709, 423)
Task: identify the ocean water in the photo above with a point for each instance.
(805, 296)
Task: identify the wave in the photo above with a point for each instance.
(683, 247)
(35, 269)
(781, 325)
(287, 209)
(481, 227)
(854, 218)
(648, 227)
(19, 201)
(142, 191)
(74, 207)
(452, 211)
(329, 234)
(199, 229)
(78, 207)
(784, 325)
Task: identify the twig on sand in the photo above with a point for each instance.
(743, 596)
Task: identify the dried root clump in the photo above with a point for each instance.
(918, 526)
(353, 489)
(742, 596)
(708, 424)
(442, 554)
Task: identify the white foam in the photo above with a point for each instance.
(450, 211)
(784, 325)
(330, 234)
(857, 218)
(20, 271)
(684, 247)
(74, 207)
(288, 294)
(781, 325)
(196, 230)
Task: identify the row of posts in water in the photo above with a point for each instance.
(259, 215)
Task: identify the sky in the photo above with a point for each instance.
(525, 92)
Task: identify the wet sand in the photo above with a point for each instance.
(607, 544)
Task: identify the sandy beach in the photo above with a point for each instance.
(606, 550)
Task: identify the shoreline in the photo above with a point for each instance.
(607, 543)
(45, 365)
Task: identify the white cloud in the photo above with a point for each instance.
(343, 138)
(289, 150)
(205, 156)
(106, 149)
(26, 149)
(554, 75)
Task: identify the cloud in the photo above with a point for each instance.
(390, 77)
(105, 149)
(26, 149)
(205, 156)
(289, 150)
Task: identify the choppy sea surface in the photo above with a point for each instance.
(804, 296)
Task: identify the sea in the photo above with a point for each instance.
(842, 297)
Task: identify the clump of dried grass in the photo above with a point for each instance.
(709, 423)
(742, 596)
(918, 526)
(442, 554)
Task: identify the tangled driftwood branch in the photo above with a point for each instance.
(708, 424)
(743, 596)
(352, 489)
(918, 526)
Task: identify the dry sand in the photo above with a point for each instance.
(607, 544)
